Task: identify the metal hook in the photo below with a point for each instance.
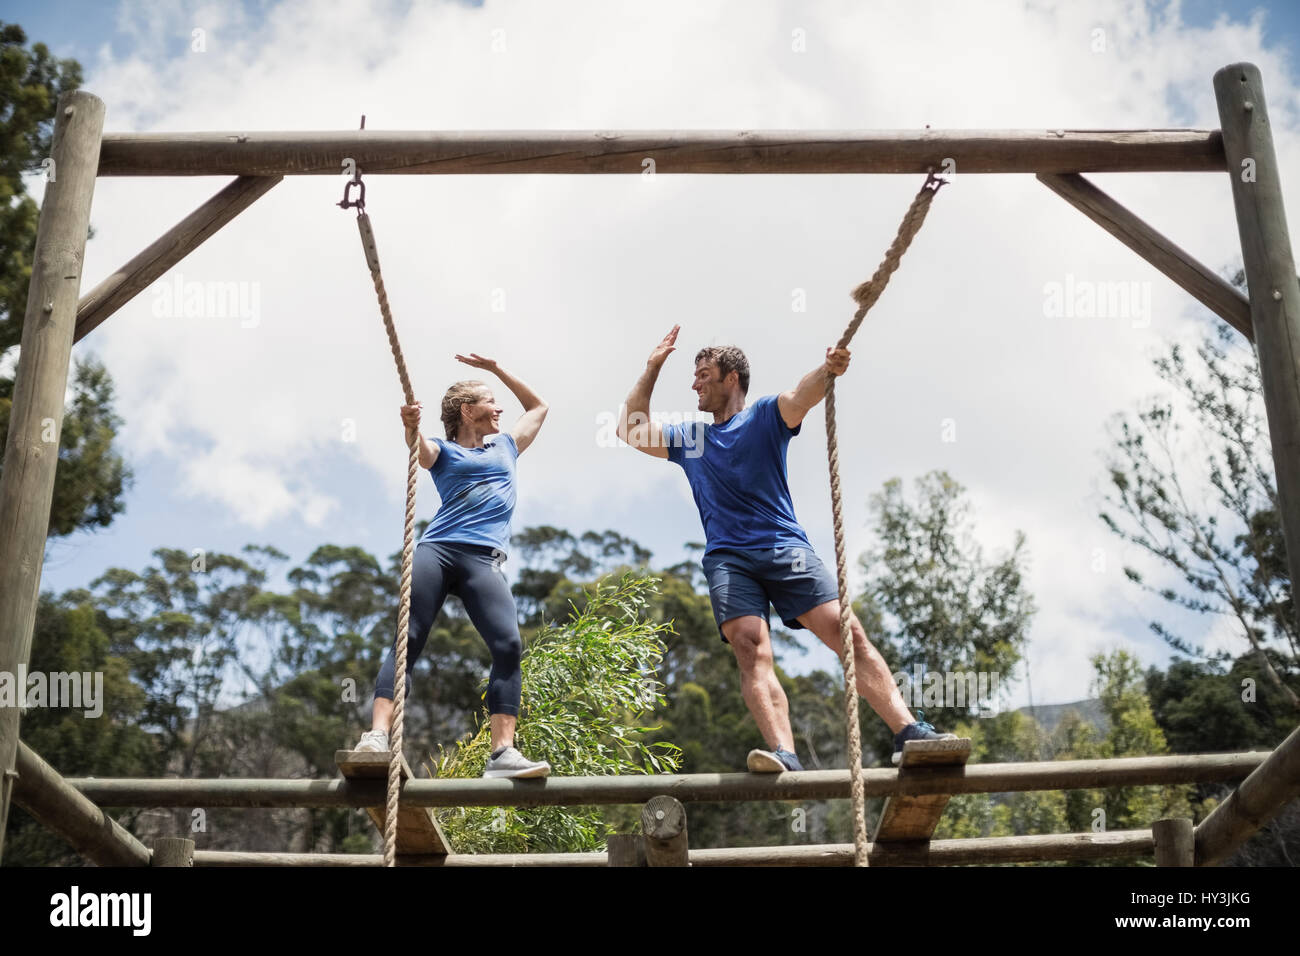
(360, 202)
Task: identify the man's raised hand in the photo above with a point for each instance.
(664, 348)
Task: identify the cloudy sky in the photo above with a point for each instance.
(280, 425)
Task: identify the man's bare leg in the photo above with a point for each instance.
(874, 680)
(752, 644)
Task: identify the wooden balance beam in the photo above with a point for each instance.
(417, 830)
(912, 819)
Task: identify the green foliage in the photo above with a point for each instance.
(932, 599)
(1215, 526)
(1010, 736)
(1013, 736)
(30, 84)
(588, 687)
(91, 478)
(1205, 707)
(68, 639)
(1133, 732)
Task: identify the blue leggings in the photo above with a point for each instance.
(470, 572)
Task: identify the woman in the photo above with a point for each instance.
(462, 549)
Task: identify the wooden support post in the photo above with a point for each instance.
(1175, 841)
(59, 808)
(1274, 783)
(1270, 279)
(1205, 286)
(36, 417)
(172, 851)
(663, 821)
(626, 849)
(170, 248)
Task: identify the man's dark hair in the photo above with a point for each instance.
(728, 359)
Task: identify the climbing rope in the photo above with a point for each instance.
(408, 534)
(865, 295)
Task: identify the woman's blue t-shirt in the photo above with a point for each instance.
(737, 473)
(477, 488)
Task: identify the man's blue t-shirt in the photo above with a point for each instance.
(738, 477)
(477, 487)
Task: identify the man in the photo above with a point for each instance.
(756, 552)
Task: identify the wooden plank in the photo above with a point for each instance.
(914, 817)
(1205, 286)
(709, 787)
(54, 804)
(169, 249)
(278, 153)
(417, 830)
(36, 415)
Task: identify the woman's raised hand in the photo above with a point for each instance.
(411, 416)
(478, 361)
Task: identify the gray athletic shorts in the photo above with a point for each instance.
(793, 580)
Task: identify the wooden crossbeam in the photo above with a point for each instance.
(913, 817)
(708, 787)
(1205, 286)
(478, 152)
(417, 830)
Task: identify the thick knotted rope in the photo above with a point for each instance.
(408, 553)
(865, 295)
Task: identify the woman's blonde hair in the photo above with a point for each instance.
(461, 393)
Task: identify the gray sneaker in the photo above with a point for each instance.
(376, 740)
(772, 761)
(511, 763)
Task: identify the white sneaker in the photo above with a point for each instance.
(374, 740)
(511, 763)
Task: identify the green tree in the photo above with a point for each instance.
(1205, 707)
(552, 555)
(1007, 737)
(1014, 736)
(588, 688)
(91, 478)
(1132, 732)
(931, 598)
(80, 742)
(1231, 557)
(31, 82)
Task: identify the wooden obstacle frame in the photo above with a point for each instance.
(58, 315)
